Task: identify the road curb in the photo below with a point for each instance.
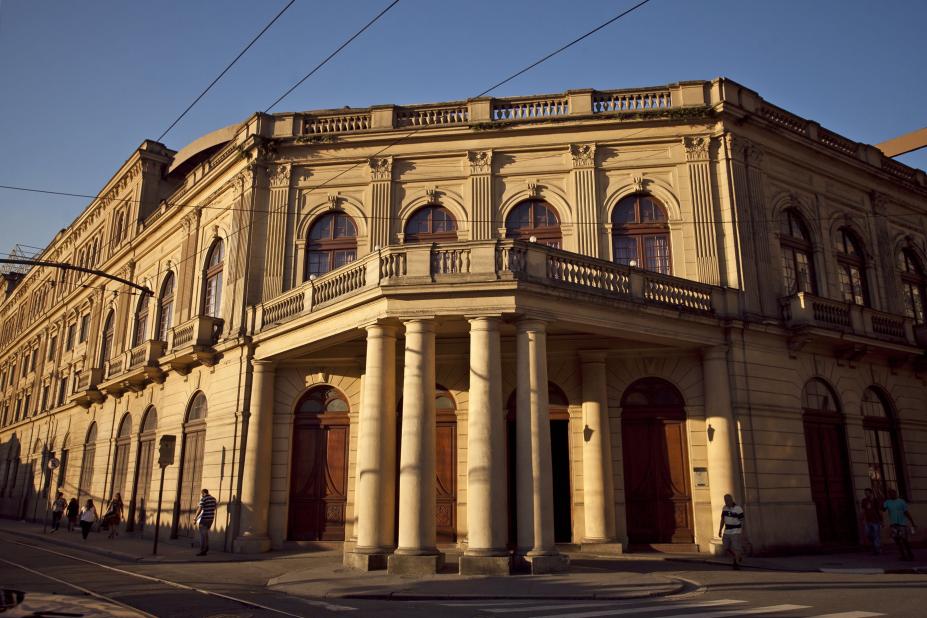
(671, 588)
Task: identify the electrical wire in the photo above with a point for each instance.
(226, 69)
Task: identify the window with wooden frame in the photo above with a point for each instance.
(797, 251)
(332, 243)
(851, 267)
(882, 452)
(141, 321)
(431, 223)
(640, 234)
(534, 218)
(212, 280)
(166, 307)
(106, 345)
(913, 284)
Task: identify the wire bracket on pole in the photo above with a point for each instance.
(92, 271)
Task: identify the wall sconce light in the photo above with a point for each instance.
(533, 239)
(711, 433)
(376, 247)
(632, 263)
(312, 277)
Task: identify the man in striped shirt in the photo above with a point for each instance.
(732, 523)
(205, 515)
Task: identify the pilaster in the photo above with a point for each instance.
(276, 237)
(481, 194)
(707, 230)
(381, 195)
(584, 196)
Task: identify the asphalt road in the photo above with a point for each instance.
(76, 583)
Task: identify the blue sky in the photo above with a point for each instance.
(83, 83)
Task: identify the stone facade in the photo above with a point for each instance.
(503, 324)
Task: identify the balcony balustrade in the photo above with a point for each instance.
(826, 318)
(133, 369)
(192, 343)
(493, 261)
(85, 387)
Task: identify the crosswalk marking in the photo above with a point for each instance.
(741, 612)
(656, 607)
(849, 615)
(487, 603)
(540, 608)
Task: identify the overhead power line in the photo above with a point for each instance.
(226, 69)
(66, 266)
(198, 254)
(331, 55)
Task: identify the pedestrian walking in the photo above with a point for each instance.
(113, 516)
(58, 507)
(88, 515)
(897, 514)
(71, 513)
(205, 515)
(872, 519)
(731, 529)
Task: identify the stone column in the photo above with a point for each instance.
(376, 452)
(487, 513)
(719, 416)
(254, 501)
(416, 553)
(532, 434)
(598, 486)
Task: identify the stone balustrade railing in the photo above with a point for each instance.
(201, 330)
(806, 310)
(490, 261)
(115, 365)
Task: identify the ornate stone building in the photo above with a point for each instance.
(500, 324)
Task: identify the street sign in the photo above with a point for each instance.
(166, 447)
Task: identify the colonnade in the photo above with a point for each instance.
(487, 510)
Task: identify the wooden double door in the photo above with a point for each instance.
(319, 478)
(657, 493)
(829, 473)
(191, 478)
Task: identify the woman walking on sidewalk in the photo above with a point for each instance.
(88, 515)
(113, 516)
(73, 508)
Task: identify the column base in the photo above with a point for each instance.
(251, 544)
(716, 547)
(608, 548)
(485, 565)
(375, 561)
(541, 564)
(406, 564)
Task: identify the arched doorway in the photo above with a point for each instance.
(558, 407)
(319, 470)
(828, 464)
(658, 498)
(191, 466)
(445, 465)
(144, 463)
(121, 456)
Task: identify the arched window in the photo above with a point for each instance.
(332, 243)
(141, 321)
(819, 398)
(85, 483)
(431, 223)
(198, 408)
(320, 400)
(881, 444)
(851, 267)
(534, 218)
(106, 345)
(913, 284)
(150, 422)
(797, 265)
(121, 457)
(640, 233)
(166, 307)
(212, 286)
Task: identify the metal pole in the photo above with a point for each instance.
(154, 551)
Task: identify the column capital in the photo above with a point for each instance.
(263, 365)
(715, 352)
(419, 325)
(484, 322)
(592, 356)
(532, 323)
(377, 329)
